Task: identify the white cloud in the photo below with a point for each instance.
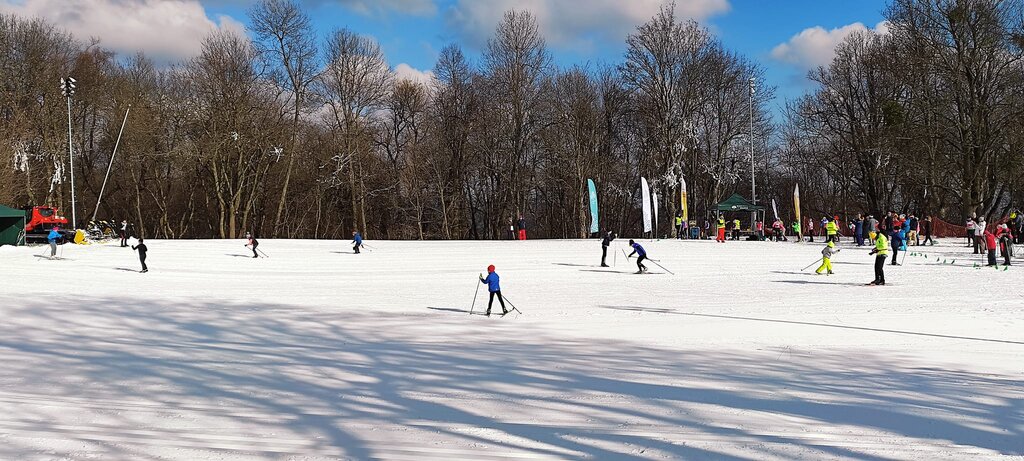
(572, 24)
(404, 71)
(165, 29)
(816, 46)
(413, 7)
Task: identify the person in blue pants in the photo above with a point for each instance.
(641, 255)
(494, 288)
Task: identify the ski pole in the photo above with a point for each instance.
(811, 264)
(662, 267)
(480, 276)
(510, 304)
(263, 253)
(904, 258)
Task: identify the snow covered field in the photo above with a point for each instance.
(317, 354)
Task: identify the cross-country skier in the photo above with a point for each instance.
(898, 243)
(926, 230)
(607, 240)
(831, 230)
(124, 233)
(990, 245)
(141, 248)
(253, 243)
(641, 254)
(881, 252)
(1005, 237)
(494, 288)
(357, 241)
(52, 238)
(826, 258)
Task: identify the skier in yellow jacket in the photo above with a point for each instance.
(881, 252)
(831, 230)
(826, 258)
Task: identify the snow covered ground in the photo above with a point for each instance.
(317, 354)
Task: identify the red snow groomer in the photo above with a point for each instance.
(40, 219)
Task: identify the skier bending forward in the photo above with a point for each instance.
(641, 255)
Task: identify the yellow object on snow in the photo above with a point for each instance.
(826, 264)
(80, 237)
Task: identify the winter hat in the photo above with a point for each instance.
(630, 241)
(490, 268)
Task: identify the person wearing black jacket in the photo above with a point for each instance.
(926, 230)
(607, 240)
(141, 248)
(253, 243)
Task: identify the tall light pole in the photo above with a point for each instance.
(67, 87)
(753, 185)
(750, 100)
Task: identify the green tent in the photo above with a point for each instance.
(738, 203)
(12, 226)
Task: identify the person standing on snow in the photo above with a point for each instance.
(494, 288)
(831, 231)
(511, 230)
(124, 233)
(826, 258)
(679, 225)
(881, 252)
(898, 243)
(990, 245)
(1005, 238)
(979, 235)
(736, 229)
(52, 238)
(522, 228)
(810, 230)
(971, 228)
(252, 243)
(141, 248)
(357, 241)
(607, 240)
(858, 230)
(721, 230)
(641, 254)
(926, 230)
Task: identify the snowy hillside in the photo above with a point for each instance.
(316, 353)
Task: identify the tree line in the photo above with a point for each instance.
(288, 134)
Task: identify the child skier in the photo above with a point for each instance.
(826, 258)
(52, 238)
(641, 254)
(494, 288)
(881, 252)
(357, 241)
(141, 248)
(607, 240)
(253, 243)
(990, 245)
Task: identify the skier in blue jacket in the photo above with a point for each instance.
(53, 237)
(494, 288)
(357, 241)
(641, 255)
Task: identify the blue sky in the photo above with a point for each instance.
(787, 37)
(751, 27)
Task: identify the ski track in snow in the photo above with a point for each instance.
(319, 354)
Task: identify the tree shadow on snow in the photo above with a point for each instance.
(348, 384)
